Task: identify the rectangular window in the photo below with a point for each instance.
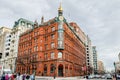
(35, 33)
(60, 35)
(46, 47)
(0, 55)
(36, 40)
(52, 55)
(52, 45)
(87, 51)
(52, 36)
(60, 44)
(87, 54)
(46, 30)
(53, 29)
(7, 54)
(41, 40)
(35, 48)
(46, 38)
(45, 56)
(40, 48)
(23, 23)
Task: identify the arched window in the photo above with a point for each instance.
(45, 68)
(59, 54)
(52, 68)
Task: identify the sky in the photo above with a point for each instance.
(100, 19)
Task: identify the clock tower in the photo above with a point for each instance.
(60, 29)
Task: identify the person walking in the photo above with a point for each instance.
(32, 77)
(3, 76)
(27, 77)
(24, 76)
(12, 76)
(6, 77)
(18, 76)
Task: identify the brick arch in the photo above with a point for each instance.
(60, 70)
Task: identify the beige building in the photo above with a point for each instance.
(117, 64)
(119, 56)
(100, 67)
(9, 39)
(89, 56)
(5, 39)
(20, 26)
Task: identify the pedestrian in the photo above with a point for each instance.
(12, 77)
(24, 76)
(18, 76)
(32, 77)
(87, 77)
(6, 77)
(27, 77)
(3, 76)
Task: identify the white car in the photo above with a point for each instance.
(91, 76)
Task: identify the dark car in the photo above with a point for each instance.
(118, 76)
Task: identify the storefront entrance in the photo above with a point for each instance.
(60, 70)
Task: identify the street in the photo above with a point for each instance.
(66, 78)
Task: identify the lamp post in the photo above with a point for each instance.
(54, 68)
(115, 71)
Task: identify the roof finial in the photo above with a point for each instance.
(42, 20)
(35, 23)
(60, 8)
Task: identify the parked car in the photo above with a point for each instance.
(108, 76)
(97, 76)
(118, 76)
(103, 76)
(91, 76)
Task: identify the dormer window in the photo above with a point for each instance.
(28, 25)
(23, 23)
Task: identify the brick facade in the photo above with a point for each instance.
(50, 50)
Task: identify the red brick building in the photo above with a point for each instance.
(52, 48)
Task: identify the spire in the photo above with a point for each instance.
(42, 19)
(35, 23)
(60, 10)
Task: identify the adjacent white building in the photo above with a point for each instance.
(20, 26)
(9, 41)
(95, 60)
(119, 56)
(117, 65)
(5, 38)
(89, 56)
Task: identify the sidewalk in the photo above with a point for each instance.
(57, 78)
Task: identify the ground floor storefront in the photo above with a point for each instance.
(57, 68)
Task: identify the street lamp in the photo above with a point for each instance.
(115, 71)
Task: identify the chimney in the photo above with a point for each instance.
(42, 20)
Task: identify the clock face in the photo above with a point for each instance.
(61, 18)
